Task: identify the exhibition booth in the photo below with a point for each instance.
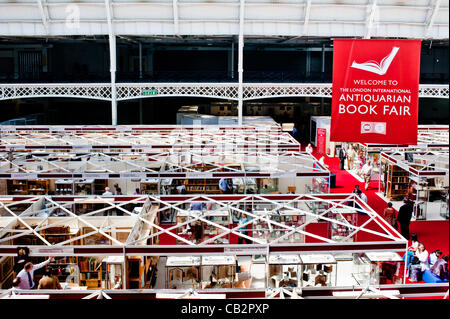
(422, 176)
(163, 242)
(40, 173)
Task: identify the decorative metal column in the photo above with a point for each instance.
(112, 62)
(240, 62)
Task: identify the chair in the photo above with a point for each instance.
(292, 189)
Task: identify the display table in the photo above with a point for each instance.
(183, 272)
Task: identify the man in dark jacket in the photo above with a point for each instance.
(342, 157)
(404, 217)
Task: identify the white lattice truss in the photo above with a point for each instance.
(37, 213)
(179, 140)
(227, 91)
(430, 163)
(427, 139)
(199, 164)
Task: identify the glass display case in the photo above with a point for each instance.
(84, 186)
(284, 271)
(183, 272)
(318, 270)
(245, 185)
(319, 185)
(218, 271)
(198, 231)
(268, 231)
(340, 232)
(64, 187)
(221, 217)
(385, 267)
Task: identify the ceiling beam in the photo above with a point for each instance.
(430, 21)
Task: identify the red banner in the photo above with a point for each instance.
(375, 91)
(321, 140)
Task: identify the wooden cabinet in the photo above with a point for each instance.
(28, 187)
(6, 272)
(99, 186)
(149, 186)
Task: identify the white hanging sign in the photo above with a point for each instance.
(199, 175)
(23, 175)
(95, 175)
(49, 251)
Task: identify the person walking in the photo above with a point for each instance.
(389, 215)
(404, 217)
(342, 156)
(367, 173)
(27, 273)
(350, 157)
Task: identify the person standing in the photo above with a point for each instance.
(404, 217)
(342, 156)
(224, 186)
(243, 229)
(27, 273)
(350, 157)
(107, 192)
(367, 173)
(389, 215)
(22, 259)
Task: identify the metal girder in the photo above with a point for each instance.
(112, 62)
(226, 91)
(432, 18)
(240, 60)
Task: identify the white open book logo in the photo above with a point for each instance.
(375, 67)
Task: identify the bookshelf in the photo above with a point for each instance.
(397, 183)
(6, 272)
(91, 273)
(99, 186)
(149, 186)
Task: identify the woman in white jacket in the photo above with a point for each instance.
(422, 254)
